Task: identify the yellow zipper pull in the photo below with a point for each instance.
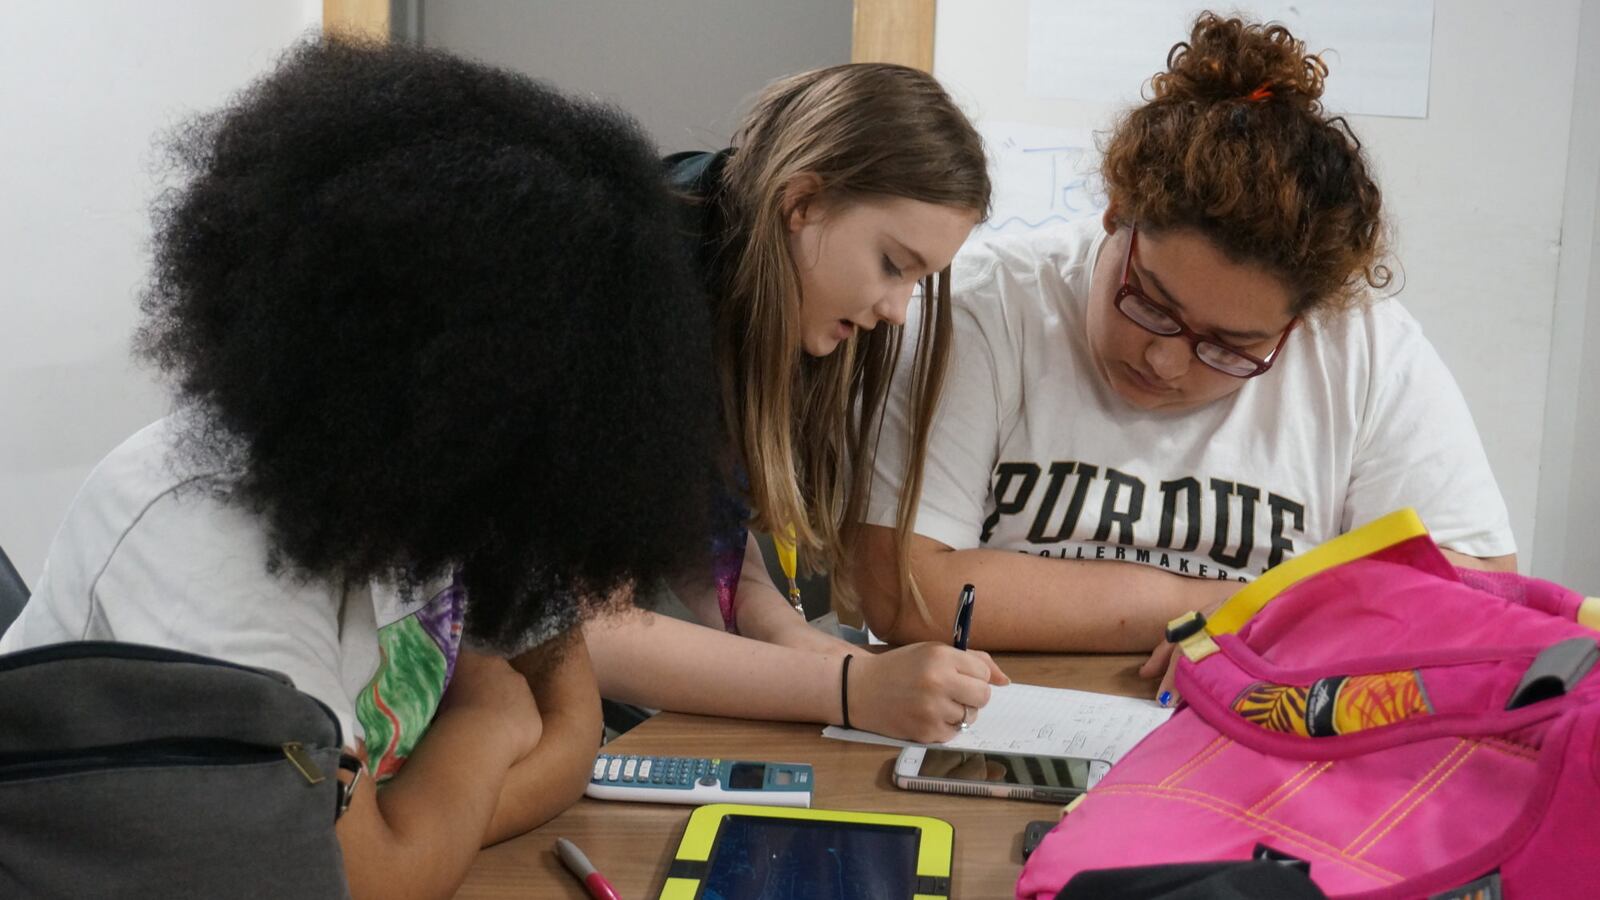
(300, 759)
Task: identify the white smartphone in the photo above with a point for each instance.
(1051, 779)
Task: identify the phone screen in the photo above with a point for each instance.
(1005, 768)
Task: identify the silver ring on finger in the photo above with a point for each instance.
(966, 717)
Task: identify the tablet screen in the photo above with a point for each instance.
(757, 858)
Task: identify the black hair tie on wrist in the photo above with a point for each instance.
(844, 690)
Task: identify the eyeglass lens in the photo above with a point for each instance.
(1156, 320)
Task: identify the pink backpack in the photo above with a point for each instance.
(1407, 728)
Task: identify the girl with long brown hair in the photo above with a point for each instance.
(846, 192)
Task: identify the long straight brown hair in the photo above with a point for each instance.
(806, 427)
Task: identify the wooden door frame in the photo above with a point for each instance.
(357, 18)
(897, 31)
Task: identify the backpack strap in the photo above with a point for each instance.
(1193, 632)
(1589, 613)
(1377, 535)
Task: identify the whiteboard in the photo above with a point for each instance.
(1042, 176)
(1474, 189)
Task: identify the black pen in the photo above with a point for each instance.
(964, 617)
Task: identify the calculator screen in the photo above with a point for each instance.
(757, 858)
(747, 776)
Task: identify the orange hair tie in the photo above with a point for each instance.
(1261, 93)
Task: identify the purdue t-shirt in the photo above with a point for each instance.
(1032, 451)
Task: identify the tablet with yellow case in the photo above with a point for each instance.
(734, 852)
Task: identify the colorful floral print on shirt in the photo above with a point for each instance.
(417, 655)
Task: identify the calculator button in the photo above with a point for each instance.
(708, 780)
(644, 770)
(614, 769)
(599, 769)
(628, 768)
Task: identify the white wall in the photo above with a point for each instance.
(1477, 192)
(1569, 489)
(84, 88)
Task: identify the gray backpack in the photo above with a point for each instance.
(136, 771)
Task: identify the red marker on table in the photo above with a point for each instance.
(573, 858)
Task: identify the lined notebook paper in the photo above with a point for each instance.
(1029, 719)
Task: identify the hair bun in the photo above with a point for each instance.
(1229, 59)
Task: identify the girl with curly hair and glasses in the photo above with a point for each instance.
(1149, 408)
(417, 313)
(847, 189)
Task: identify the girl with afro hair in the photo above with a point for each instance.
(435, 344)
(847, 190)
(1200, 383)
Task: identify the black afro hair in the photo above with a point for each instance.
(438, 317)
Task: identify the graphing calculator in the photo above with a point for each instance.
(697, 781)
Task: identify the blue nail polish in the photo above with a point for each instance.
(1165, 698)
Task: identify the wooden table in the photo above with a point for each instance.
(632, 843)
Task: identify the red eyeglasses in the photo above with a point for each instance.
(1159, 320)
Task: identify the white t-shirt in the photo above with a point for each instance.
(147, 555)
(1032, 451)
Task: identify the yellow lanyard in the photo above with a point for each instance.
(787, 559)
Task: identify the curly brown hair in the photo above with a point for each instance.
(1234, 143)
